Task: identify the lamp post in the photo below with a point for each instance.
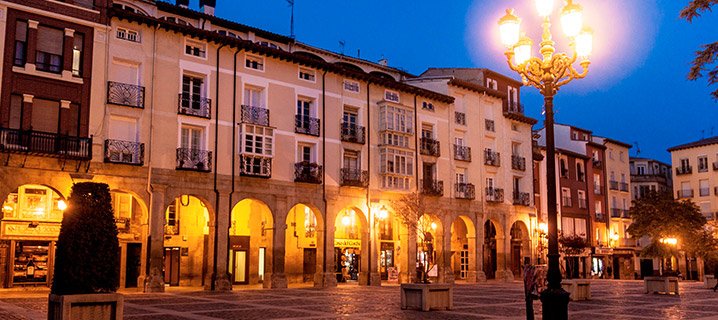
(547, 74)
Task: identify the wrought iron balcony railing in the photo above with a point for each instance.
(492, 158)
(490, 125)
(354, 178)
(624, 214)
(430, 147)
(431, 187)
(255, 166)
(522, 198)
(623, 186)
(460, 118)
(126, 94)
(613, 185)
(127, 152)
(518, 163)
(462, 153)
(194, 106)
(194, 159)
(597, 164)
(353, 133)
(306, 125)
(464, 191)
(686, 193)
(46, 144)
(494, 195)
(514, 108)
(255, 115)
(600, 217)
(123, 224)
(308, 172)
(684, 170)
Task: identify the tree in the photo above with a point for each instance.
(571, 246)
(707, 57)
(412, 210)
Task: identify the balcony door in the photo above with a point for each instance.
(253, 97)
(351, 161)
(350, 117)
(125, 130)
(191, 138)
(191, 92)
(429, 172)
(304, 113)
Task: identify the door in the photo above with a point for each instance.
(464, 262)
(172, 266)
(616, 268)
(191, 92)
(386, 259)
(428, 173)
(516, 259)
(132, 264)
(303, 108)
(240, 268)
(646, 268)
(310, 264)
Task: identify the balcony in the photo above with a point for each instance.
(684, 170)
(430, 147)
(124, 94)
(566, 202)
(582, 203)
(255, 166)
(514, 108)
(518, 163)
(194, 159)
(623, 186)
(306, 125)
(308, 172)
(354, 178)
(194, 106)
(492, 158)
(490, 125)
(704, 192)
(123, 225)
(353, 133)
(598, 164)
(683, 194)
(255, 115)
(625, 214)
(600, 217)
(462, 153)
(597, 190)
(124, 152)
(45, 144)
(615, 213)
(522, 199)
(494, 195)
(431, 187)
(460, 118)
(464, 191)
(613, 185)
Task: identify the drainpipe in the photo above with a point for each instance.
(324, 172)
(416, 146)
(216, 191)
(368, 199)
(149, 149)
(234, 147)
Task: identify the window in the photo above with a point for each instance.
(596, 156)
(191, 137)
(393, 139)
(20, 43)
(228, 34)
(580, 174)
(573, 226)
(351, 160)
(396, 119)
(306, 153)
(492, 84)
(257, 140)
(623, 178)
(268, 44)
(610, 154)
(574, 135)
(620, 156)
(45, 115)
(599, 207)
(702, 164)
(459, 141)
(194, 48)
(392, 96)
(513, 95)
(254, 62)
(685, 163)
(128, 34)
(704, 188)
(490, 126)
(461, 176)
(566, 197)
(307, 74)
(517, 185)
(77, 46)
(15, 111)
(192, 92)
(427, 106)
(597, 183)
(304, 108)
(582, 199)
(397, 166)
(641, 170)
(351, 86)
(350, 116)
(427, 131)
(254, 97)
(49, 49)
(564, 168)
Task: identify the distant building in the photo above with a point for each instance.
(649, 175)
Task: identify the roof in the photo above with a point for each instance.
(695, 144)
(614, 141)
(648, 159)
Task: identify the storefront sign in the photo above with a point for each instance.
(26, 229)
(392, 274)
(347, 243)
(604, 251)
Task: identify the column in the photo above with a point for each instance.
(446, 272)
(222, 280)
(364, 271)
(407, 273)
(67, 53)
(374, 275)
(326, 268)
(480, 274)
(277, 278)
(471, 275)
(154, 281)
(503, 255)
(26, 121)
(31, 45)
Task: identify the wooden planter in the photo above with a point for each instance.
(579, 289)
(426, 297)
(98, 306)
(666, 285)
(709, 281)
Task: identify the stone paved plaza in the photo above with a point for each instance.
(492, 300)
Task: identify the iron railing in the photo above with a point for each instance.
(194, 159)
(430, 147)
(490, 125)
(615, 213)
(522, 198)
(255, 166)
(686, 193)
(494, 194)
(492, 158)
(432, 187)
(623, 186)
(518, 163)
(353, 133)
(613, 185)
(684, 170)
(597, 164)
(44, 143)
(514, 108)
(255, 115)
(126, 152)
(462, 153)
(464, 191)
(309, 172)
(194, 106)
(126, 94)
(460, 118)
(306, 125)
(354, 177)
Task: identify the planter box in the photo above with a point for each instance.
(579, 289)
(709, 281)
(665, 285)
(98, 306)
(427, 296)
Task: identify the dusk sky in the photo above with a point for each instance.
(636, 92)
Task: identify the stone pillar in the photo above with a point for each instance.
(31, 45)
(154, 281)
(277, 278)
(67, 52)
(222, 280)
(502, 256)
(326, 273)
(471, 275)
(407, 273)
(374, 252)
(446, 272)
(479, 251)
(364, 271)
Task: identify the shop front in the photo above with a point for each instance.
(599, 262)
(348, 259)
(622, 265)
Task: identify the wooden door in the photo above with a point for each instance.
(310, 264)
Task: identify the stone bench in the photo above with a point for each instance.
(665, 285)
(579, 289)
(427, 296)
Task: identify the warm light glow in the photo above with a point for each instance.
(572, 19)
(7, 208)
(614, 236)
(522, 50)
(382, 214)
(543, 227)
(584, 43)
(669, 241)
(346, 221)
(61, 205)
(433, 226)
(509, 28)
(544, 7)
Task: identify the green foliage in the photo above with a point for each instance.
(86, 260)
(707, 57)
(573, 244)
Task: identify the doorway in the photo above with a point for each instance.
(240, 267)
(616, 268)
(646, 268)
(310, 264)
(132, 265)
(172, 266)
(386, 259)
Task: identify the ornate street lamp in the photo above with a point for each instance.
(547, 74)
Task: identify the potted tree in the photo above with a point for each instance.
(86, 267)
(572, 246)
(422, 293)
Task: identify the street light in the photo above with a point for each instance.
(548, 73)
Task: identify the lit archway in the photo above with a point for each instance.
(350, 246)
(302, 250)
(463, 249)
(250, 239)
(490, 256)
(429, 248)
(186, 256)
(131, 220)
(520, 247)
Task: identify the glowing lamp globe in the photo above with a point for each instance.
(522, 51)
(572, 19)
(584, 43)
(509, 26)
(544, 7)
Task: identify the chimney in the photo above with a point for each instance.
(207, 6)
(384, 62)
(183, 3)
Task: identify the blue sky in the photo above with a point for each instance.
(636, 91)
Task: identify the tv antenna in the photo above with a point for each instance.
(291, 22)
(341, 46)
(638, 148)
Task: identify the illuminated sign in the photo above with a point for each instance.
(29, 229)
(347, 243)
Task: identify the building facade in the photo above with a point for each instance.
(238, 156)
(649, 175)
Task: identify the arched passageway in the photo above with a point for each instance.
(463, 249)
(490, 252)
(250, 242)
(186, 256)
(302, 252)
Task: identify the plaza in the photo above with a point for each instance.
(612, 299)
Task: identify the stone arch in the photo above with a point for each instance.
(351, 246)
(251, 243)
(304, 243)
(188, 243)
(520, 249)
(463, 248)
(132, 219)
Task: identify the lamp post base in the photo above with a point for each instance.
(554, 304)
